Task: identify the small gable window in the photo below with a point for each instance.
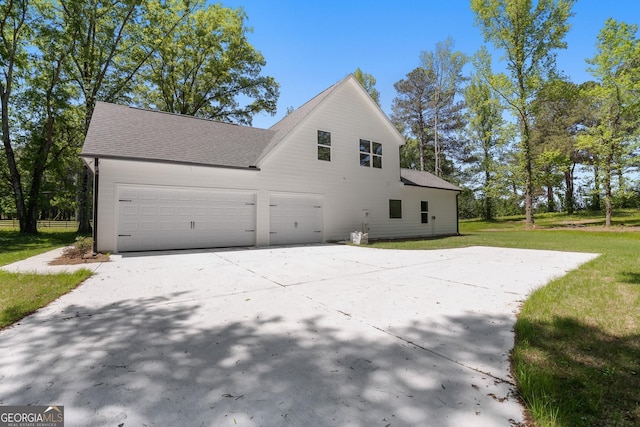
(424, 212)
(395, 208)
(324, 145)
(370, 154)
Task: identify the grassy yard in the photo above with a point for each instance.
(22, 294)
(577, 352)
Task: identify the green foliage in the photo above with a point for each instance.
(369, 83)
(59, 57)
(80, 247)
(487, 136)
(612, 137)
(204, 66)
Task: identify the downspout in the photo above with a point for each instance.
(96, 176)
(457, 215)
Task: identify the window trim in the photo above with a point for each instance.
(323, 146)
(373, 157)
(424, 211)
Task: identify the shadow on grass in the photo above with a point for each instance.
(590, 377)
(165, 361)
(629, 277)
(11, 241)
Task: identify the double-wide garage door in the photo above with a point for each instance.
(155, 218)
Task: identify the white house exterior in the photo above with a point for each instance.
(167, 181)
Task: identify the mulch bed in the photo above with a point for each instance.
(74, 259)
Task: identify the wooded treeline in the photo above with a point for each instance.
(520, 140)
(58, 57)
(527, 139)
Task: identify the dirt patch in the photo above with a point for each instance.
(575, 227)
(612, 229)
(73, 259)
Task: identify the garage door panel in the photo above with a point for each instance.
(166, 218)
(295, 219)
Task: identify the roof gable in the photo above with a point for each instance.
(297, 117)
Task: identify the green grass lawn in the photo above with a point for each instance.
(22, 294)
(577, 353)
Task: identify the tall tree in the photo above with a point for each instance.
(207, 68)
(487, 134)
(426, 107)
(106, 53)
(369, 83)
(411, 106)
(560, 113)
(45, 97)
(445, 67)
(528, 35)
(616, 68)
(16, 17)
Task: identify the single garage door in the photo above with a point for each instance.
(157, 218)
(295, 219)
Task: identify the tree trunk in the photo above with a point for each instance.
(84, 196)
(421, 152)
(488, 201)
(436, 147)
(528, 180)
(84, 226)
(569, 198)
(14, 173)
(595, 200)
(551, 205)
(606, 182)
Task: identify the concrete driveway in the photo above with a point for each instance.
(302, 336)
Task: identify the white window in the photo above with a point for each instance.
(370, 154)
(424, 212)
(324, 145)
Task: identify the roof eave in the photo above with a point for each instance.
(86, 156)
(413, 184)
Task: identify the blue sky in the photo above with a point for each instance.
(310, 45)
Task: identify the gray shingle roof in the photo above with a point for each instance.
(131, 133)
(425, 179)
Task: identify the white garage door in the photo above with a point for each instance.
(295, 219)
(155, 218)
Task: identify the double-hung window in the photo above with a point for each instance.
(324, 145)
(424, 212)
(370, 154)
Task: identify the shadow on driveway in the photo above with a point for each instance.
(150, 361)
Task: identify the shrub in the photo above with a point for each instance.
(80, 248)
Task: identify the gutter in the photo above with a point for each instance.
(164, 161)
